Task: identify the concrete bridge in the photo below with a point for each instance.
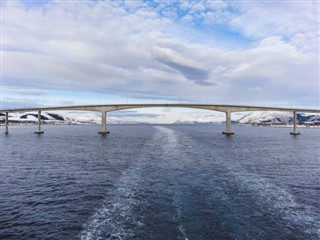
(228, 109)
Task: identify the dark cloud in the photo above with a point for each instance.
(206, 83)
(189, 68)
(192, 73)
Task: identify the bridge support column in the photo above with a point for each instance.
(38, 131)
(228, 131)
(104, 130)
(6, 130)
(295, 131)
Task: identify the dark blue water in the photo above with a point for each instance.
(160, 182)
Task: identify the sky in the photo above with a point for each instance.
(264, 53)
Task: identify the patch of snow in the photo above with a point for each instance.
(63, 117)
(277, 117)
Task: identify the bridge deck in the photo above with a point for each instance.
(228, 109)
(116, 107)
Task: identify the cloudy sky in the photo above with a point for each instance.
(104, 52)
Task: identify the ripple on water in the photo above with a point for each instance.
(160, 182)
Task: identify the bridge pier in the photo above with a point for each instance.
(228, 131)
(6, 130)
(295, 130)
(38, 131)
(104, 130)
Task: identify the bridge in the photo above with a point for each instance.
(104, 109)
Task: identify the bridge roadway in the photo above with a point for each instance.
(228, 109)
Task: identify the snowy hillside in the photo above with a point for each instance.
(82, 117)
(278, 117)
(62, 118)
(198, 121)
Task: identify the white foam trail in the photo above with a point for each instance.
(170, 148)
(117, 209)
(178, 208)
(111, 217)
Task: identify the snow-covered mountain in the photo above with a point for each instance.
(193, 121)
(63, 118)
(76, 117)
(278, 117)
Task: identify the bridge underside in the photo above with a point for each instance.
(104, 109)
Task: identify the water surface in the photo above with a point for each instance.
(160, 182)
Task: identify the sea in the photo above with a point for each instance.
(160, 182)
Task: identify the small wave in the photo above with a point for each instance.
(115, 220)
(177, 218)
(170, 143)
(276, 200)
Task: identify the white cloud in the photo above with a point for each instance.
(216, 5)
(24, 91)
(291, 20)
(132, 50)
(255, 89)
